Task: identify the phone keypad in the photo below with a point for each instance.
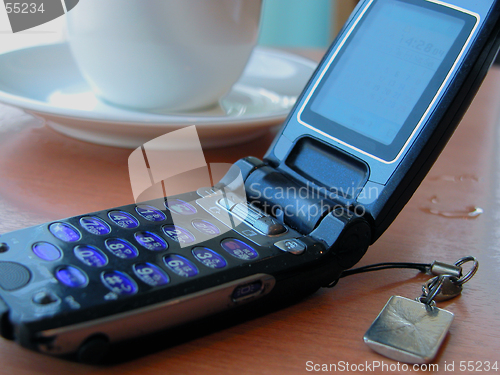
(137, 248)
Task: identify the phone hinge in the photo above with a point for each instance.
(291, 202)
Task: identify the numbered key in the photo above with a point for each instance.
(151, 241)
(209, 257)
(180, 265)
(180, 207)
(150, 213)
(95, 225)
(121, 248)
(91, 256)
(151, 274)
(123, 219)
(179, 234)
(119, 283)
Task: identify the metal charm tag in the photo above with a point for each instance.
(408, 331)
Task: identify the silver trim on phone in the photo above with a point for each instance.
(153, 318)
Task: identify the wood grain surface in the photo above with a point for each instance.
(46, 176)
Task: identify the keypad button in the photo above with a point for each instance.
(239, 249)
(151, 241)
(180, 265)
(150, 213)
(90, 256)
(72, 277)
(179, 234)
(209, 257)
(95, 225)
(205, 227)
(45, 298)
(46, 251)
(121, 248)
(119, 283)
(291, 245)
(180, 207)
(123, 219)
(4, 247)
(151, 274)
(65, 232)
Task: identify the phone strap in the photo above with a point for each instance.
(412, 330)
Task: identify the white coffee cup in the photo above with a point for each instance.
(173, 55)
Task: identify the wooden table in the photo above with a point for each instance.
(46, 176)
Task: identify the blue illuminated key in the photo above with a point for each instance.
(119, 283)
(180, 207)
(150, 213)
(180, 265)
(151, 274)
(123, 219)
(72, 277)
(90, 256)
(209, 257)
(121, 248)
(65, 232)
(46, 251)
(95, 225)
(239, 249)
(151, 241)
(179, 234)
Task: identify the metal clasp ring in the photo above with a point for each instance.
(472, 271)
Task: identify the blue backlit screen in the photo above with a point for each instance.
(387, 72)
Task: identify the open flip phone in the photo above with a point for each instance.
(372, 120)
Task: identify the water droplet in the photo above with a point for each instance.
(470, 212)
(450, 178)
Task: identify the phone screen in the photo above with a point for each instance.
(376, 91)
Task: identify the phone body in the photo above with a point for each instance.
(374, 117)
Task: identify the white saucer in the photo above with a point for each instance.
(45, 81)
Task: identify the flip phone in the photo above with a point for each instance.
(367, 128)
